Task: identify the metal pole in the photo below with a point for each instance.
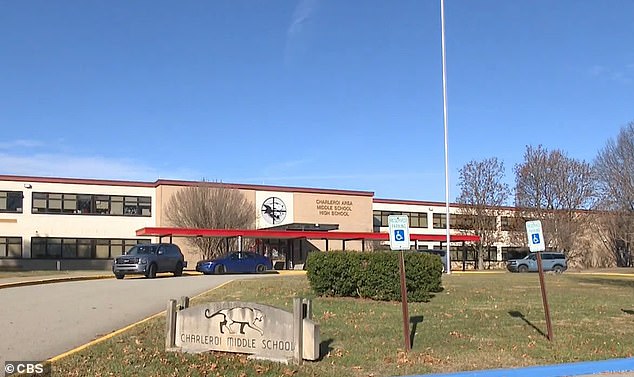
(549, 326)
(406, 338)
(444, 101)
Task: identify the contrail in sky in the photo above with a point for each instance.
(304, 10)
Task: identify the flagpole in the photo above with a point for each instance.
(444, 98)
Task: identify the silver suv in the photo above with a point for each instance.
(555, 262)
(148, 259)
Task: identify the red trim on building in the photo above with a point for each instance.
(293, 234)
(428, 203)
(412, 202)
(80, 181)
(169, 182)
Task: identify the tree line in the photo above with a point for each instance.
(581, 204)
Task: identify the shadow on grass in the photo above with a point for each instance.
(414, 321)
(516, 314)
(325, 348)
(628, 311)
(629, 283)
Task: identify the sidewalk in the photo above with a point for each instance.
(42, 277)
(45, 277)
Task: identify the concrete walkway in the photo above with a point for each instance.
(41, 277)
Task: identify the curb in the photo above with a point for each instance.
(557, 370)
(52, 280)
(25, 283)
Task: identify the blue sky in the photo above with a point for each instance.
(314, 93)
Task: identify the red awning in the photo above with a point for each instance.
(294, 234)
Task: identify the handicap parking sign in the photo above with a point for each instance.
(399, 232)
(535, 236)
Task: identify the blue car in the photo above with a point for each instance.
(235, 262)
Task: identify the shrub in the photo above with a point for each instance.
(374, 275)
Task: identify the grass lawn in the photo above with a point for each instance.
(479, 321)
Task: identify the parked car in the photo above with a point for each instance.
(148, 259)
(440, 253)
(555, 262)
(235, 262)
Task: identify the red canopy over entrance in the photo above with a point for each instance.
(294, 234)
(293, 241)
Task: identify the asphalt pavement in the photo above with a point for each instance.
(44, 320)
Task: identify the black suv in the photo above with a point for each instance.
(148, 259)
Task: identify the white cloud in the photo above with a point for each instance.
(623, 75)
(303, 12)
(21, 143)
(67, 166)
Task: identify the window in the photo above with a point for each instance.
(416, 219)
(513, 252)
(463, 222)
(440, 220)
(510, 223)
(88, 204)
(11, 201)
(78, 248)
(491, 254)
(10, 247)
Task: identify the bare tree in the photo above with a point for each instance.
(482, 193)
(210, 205)
(555, 188)
(614, 167)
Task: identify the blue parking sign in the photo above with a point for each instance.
(535, 238)
(399, 234)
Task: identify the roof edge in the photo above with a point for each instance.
(172, 182)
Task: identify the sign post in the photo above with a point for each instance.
(536, 245)
(399, 240)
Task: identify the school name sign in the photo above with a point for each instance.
(244, 327)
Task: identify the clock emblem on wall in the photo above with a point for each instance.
(273, 210)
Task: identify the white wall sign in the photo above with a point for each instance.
(243, 327)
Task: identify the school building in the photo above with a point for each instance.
(64, 223)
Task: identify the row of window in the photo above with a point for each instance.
(469, 254)
(68, 248)
(47, 202)
(457, 221)
(416, 219)
(84, 204)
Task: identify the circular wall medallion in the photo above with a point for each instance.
(273, 210)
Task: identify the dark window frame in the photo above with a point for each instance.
(6, 241)
(91, 204)
(118, 245)
(9, 197)
(380, 219)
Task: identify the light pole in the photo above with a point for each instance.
(444, 102)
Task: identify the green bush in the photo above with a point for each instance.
(374, 275)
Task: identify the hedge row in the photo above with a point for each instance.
(374, 275)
